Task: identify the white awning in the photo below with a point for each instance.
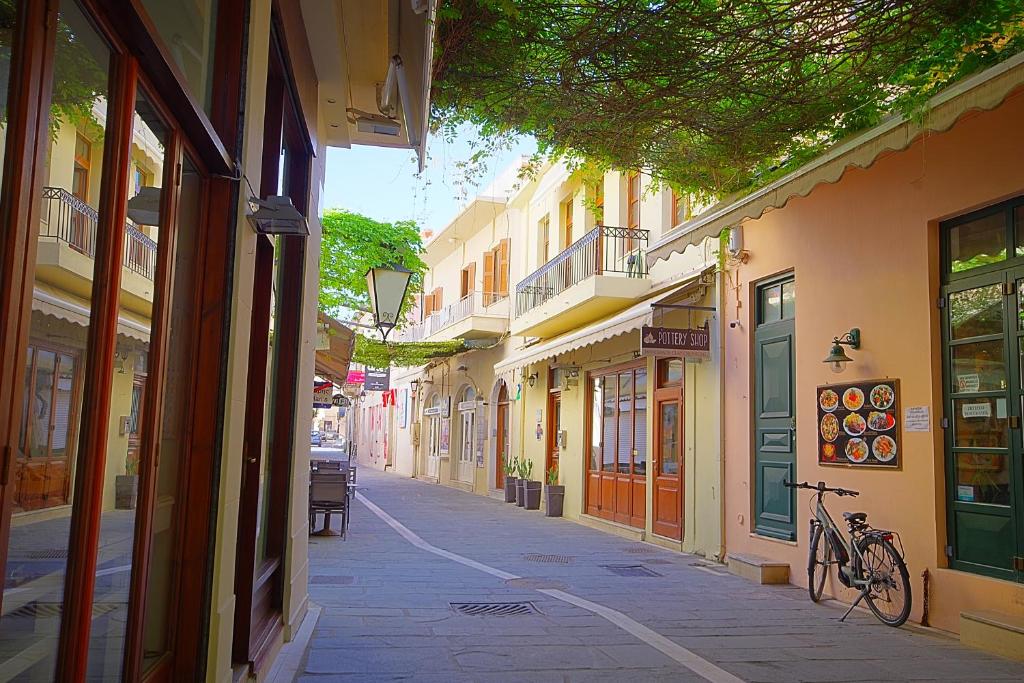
(632, 318)
(74, 310)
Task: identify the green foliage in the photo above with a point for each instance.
(374, 353)
(353, 244)
(511, 466)
(553, 475)
(713, 95)
(525, 469)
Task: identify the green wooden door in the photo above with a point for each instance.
(775, 410)
(983, 335)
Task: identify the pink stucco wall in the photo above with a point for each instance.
(865, 253)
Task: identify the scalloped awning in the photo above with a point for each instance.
(984, 91)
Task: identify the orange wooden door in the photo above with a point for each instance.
(668, 467)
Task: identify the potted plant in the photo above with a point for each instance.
(525, 470)
(126, 486)
(554, 495)
(531, 491)
(511, 468)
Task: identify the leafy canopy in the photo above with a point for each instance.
(712, 95)
(377, 354)
(353, 244)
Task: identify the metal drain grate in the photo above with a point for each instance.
(52, 610)
(658, 560)
(551, 559)
(630, 570)
(639, 549)
(331, 580)
(48, 554)
(494, 609)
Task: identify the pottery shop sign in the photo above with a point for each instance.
(377, 380)
(670, 341)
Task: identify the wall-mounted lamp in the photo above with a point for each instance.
(837, 358)
(144, 208)
(462, 368)
(276, 215)
(532, 379)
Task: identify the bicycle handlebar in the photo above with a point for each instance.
(820, 488)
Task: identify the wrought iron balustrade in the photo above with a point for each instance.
(67, 218)
(605, 250)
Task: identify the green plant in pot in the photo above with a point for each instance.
(554, 494)
(126, 486)
(511, 470)
(525, 471)
(531, 491)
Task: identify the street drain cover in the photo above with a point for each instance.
(630, 570)
(48, 554)
(331, 580)
(658, 560)
(639, 549)
(494, 609)
(552, 559)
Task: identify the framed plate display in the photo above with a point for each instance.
(858, 424)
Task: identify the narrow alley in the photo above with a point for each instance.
(597, 607)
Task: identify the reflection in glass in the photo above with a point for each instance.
(608, 439)
(771, 304)
(671, 370)
(978, 243)
(129, 386)
(1018, 221)
(625, 441)
(978, 366)
(982, 478)
(976, 312)
(596, 404)
(669, 446)
(57, 338)
(980, 422)
(789, 300)
(640, 438)
(173, 437)
(188, 31)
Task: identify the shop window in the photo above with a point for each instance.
(979, 242)
(187, 28)
(670, 371)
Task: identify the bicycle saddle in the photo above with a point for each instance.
(855, 517)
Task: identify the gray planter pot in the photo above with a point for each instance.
(520, 493)
(126, 491)
(554, 497)
(511, 484)
(533, 495)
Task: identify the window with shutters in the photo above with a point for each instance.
(633, 202)
(496, 273)
(682, 208)
(543, 240)
(567, 223)
(468, 280)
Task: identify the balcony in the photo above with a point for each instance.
(475, 316)
(598, 274)
(67, 249)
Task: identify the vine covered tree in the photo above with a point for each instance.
(712, 95)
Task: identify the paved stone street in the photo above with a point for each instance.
(385, 595)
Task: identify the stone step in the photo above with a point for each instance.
(758, 569)
(1001, 634)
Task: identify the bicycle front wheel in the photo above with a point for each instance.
(889, 594)
(818, 561)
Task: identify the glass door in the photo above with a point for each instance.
(984, 343)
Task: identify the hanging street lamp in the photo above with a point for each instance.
(837, 358)
(387, 286)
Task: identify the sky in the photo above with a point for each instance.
(382, 183)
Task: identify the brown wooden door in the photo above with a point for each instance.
(668, 464)
(501, 428)
(554, 427)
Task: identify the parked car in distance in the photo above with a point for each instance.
(314, 438)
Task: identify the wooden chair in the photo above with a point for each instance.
(329, 494)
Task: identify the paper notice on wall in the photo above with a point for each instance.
(965, 493)
(916, 419)
(969, 410)
(969, 383)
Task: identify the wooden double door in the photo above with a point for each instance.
(617, 463)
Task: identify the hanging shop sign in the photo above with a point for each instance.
(341, 401)
(355, 377)
(444, 410)
(377, 380)
(858, 424)
(679, 342)
(322, 394)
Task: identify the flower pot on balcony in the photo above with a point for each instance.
(532, 495)
(554, 497)
(126, 491)
(520, 493)
(511, 484)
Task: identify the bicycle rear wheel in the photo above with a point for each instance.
(818, 561)
(889, 596)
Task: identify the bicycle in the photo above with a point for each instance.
(868, 561)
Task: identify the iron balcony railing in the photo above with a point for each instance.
(605, 250)
(67, 218)
(471, 304)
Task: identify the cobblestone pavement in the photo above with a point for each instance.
(386, 597)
